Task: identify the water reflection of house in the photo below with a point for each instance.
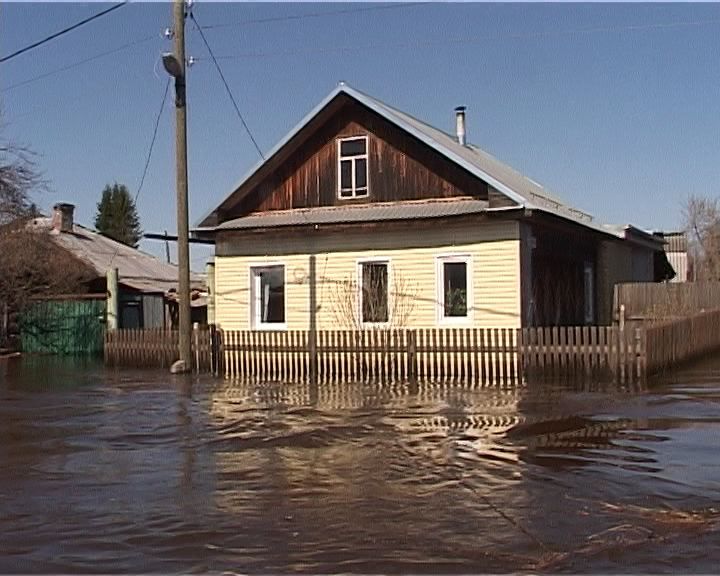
(427, 419)
(344, 462)
(74, 322)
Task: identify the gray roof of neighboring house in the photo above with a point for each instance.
(136, 269)
(357, 213)
(522, 190)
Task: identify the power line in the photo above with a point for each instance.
(149, 155)
(317, 14)
(60, 33)
(222, 76)
(76, 64)
(152, 142)
(470, 39)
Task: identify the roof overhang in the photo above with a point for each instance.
(357, 214)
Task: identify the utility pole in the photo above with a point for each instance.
(176, 69)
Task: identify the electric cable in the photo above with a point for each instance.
(149, 156)
(76, 64)
(227, 87)
(60, 33)
(316, 15)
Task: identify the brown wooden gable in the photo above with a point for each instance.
(400, 167)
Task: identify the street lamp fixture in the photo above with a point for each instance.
(171, 64)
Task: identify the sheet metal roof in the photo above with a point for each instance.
(136, 269)
(525, 192)
(378, 212)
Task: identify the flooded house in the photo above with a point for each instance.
(363, 216)
(75, 322)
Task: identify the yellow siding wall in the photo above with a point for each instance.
(494, 248)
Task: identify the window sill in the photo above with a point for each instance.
(458, 321)
(270, 328)
(374, 325)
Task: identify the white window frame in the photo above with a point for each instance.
(360, 263)
(255, 313)
(353, 159)
(453, 258)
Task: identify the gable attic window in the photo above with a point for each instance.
(353, 167)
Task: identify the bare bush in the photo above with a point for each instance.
(702, 222)
(32, 264)
(19, 177)
(389, 307)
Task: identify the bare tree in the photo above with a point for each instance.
(19, 177)
(30, 262)
(702, 222)
(388, 306)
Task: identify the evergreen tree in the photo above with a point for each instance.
(117, 217)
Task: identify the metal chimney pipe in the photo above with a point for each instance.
(460, 124)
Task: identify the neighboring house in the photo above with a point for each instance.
(363, 216)
(676, 248)
(74, 322)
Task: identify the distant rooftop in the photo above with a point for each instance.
(136, 268)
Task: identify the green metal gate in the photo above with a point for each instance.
(68, 326)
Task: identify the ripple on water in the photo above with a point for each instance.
(145, 473)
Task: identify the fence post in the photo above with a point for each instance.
(639, 355)
(412, 355)
(113, 300)
(220, 339)
(196, 342)
(213, 357)
(312, 332)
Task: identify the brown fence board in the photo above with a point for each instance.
(486, 356)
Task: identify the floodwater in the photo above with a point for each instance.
(109, 471)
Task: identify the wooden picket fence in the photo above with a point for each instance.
(484, 356)
(372, 355)
(653, 301)
(158, 348)
(672, 342)
(584, 352)
(491, 356)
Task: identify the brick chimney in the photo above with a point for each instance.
(62, 219)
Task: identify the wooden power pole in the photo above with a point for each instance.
(185, 331)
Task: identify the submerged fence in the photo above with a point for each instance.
(671, 342)
(159, 348)
(483, 356)
(654, 301)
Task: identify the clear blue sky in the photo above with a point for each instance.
(613, 107)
